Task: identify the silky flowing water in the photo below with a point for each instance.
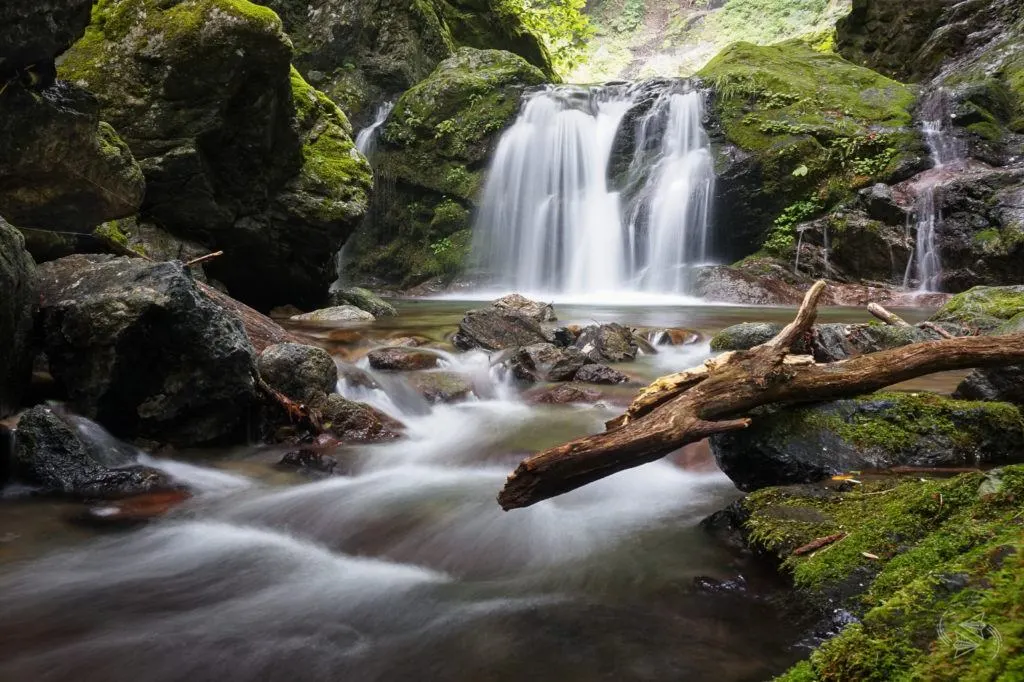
(404, 567)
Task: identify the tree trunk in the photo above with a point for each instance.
(689, 406)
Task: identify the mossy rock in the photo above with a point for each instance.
(240, 154)
(929, 567)
(983, 308)
(433, 151)
(364, 299)
(806, 444)
(745, 335)
(793, 124)
(373, 50)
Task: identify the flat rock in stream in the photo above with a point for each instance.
(402, 359)
(607, 343)
(50, 454)
(546, 362)
(338, 313)
(600, 374)
(441, 387)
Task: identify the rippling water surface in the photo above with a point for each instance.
(404, 568)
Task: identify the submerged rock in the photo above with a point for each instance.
(142, 351)
(441, 387)
(19, 299)
(364, 299)
(298, 371)
(338, 313)
(309, 462)
(546, 362)
(806, 444)
(607, 343)
(600, 374)
(402, 359)
(238, 151)
(50, 454)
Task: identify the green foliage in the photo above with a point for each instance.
(561, 24)
(767, 21)
(630, 18)
(782, 237)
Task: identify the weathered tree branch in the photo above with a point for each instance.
(887, 316)
(689, 406)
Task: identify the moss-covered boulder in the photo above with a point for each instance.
(806, 444)
(929, 570)
(795, 131)
(18, 303)
(430, 163)
(364, 299)
(361, 53)
(239, 152)
(984, 309)
(887, 35)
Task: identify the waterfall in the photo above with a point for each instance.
(551, 220)
(945, 149)
(366, 139)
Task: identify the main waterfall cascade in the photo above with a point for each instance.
(551, 219)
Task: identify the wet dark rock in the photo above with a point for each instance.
(441, 387)
(517, 303)
(309, 462)
(239, 153)
(133, 511)
(352, 421)
(34, 32)
(600, 374)
(498, 327)
(880, 204)
(49, 453)
(806, 444)
(298, 371)
(566, 393)
(727, 284)
(364, 299)
(19, 299)
(546, 362)
(828, 342)
(63, 168)
(403, 359)
(607, 343)
(338, 313)
(142, 351)
(355, 376)
(993, 383)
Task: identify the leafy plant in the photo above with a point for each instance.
(561, 24)
(782, 237)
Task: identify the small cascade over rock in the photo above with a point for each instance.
(557, 216)
(366, 139)
(946, 150)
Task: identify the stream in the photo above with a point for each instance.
(404, 567)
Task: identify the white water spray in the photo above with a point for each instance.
(549, 219)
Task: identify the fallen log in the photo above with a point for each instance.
(692, 405)
(887, 316)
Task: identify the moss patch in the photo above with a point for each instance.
(983, 308)
(935, 558)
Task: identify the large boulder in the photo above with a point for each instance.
(725, 284)
(50, 453)
(432, 154)
(364, 299)
(806, 444)
(500, 326)
(33, 32)
(18, 303)
(63, 169)
(795, 130)
(141, 350)
(361, 53)
(983, 309)
(238, 151)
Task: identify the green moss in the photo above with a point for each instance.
(984, 308)
(949, 552)
(986, 130)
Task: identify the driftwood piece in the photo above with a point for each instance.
(818, 543)
(887, 316)
(937, 329)
(689, 406)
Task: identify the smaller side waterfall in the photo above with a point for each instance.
(945, 150)
(366, 139)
